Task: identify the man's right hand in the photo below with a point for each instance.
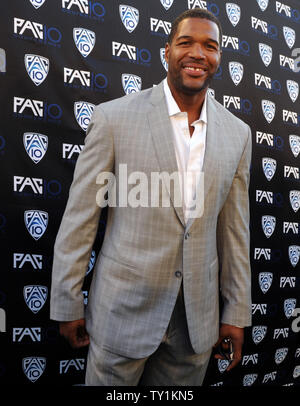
(74, 332)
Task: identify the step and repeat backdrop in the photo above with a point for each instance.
(58, 59)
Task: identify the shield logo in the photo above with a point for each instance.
(269, 167)
(167, 3)
(131, 83)
(289, 307)
(266, 53)
(36, 222)
(294, 254)
(263, 4)
(211, 92)
(35, 145)
(37, 3)
(268, 108)
(163, 59)
(295, 144)
(293, 89)
(91, 262)
(265, 281)
(37, 68)
(295, 199)
(223, 365)
(35, 297)
(268, 225)
(83, 112)
(129, 17)
(296, 372)
(84, 40)
(236, 70)
(289, 36)
(249, 379)
(280, 355)
(258, 333)
(33, 367)
(233, 13)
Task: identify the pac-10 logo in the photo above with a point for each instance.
(35, 297)
(39, 32)
(33, 367)
(235, 103)
(37, 68)
(264, 28)
(37, 3)
(84, 8)
(38, 109)
(84, 40)
(36, 222)
(86, 79)
(287, 11)
(132, 53)
(83, 112)
(35, 145)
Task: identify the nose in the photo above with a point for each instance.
(197, 51)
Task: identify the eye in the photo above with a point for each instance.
(184, 43)
(212, 46)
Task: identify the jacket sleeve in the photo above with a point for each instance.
(233, 246)
(79, 224)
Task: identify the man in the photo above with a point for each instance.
(153, 310)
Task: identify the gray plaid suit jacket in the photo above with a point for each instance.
(136, 280)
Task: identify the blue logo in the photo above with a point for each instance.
(268, 108)
(163, 59)
(236, 71)
(289, 307)
(265, 281)
(294, 254)
(280, 355)
(37, 68)
(167, 3)
(249, 379)
(83, 112)
(33, 367)
(36, 222)
(84, 40)
(233, 13)
(131, 83)
(295, 144)
(266, 53)
(289, 36)
(269, 167)
(37, 3)
(268, 224)
(293, 89)
(129, 16)
(35, 297)
(35, 145)
(258, 333)
(263, 4)
(295, 199)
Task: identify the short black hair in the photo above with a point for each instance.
(195, 13)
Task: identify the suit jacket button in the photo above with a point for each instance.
(187, 236)
(178, 274)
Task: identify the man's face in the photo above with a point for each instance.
(193, 56)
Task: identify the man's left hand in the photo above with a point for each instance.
(236, 335)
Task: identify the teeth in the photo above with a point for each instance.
(196, 69)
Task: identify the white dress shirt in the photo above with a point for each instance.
(189, 149)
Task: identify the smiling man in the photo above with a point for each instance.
(153, 310)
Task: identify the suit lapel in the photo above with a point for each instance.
(162, 136)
